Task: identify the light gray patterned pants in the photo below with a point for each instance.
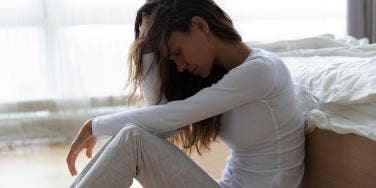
(153, 161)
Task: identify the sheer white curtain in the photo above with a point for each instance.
(63, 61)
(64, 48)
(272, 20)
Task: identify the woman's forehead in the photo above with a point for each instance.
(175, 39)
(171, 41)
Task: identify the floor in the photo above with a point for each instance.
(44, 166)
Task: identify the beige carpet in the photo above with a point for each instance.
(44, 166)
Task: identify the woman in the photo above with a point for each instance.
(190, 61)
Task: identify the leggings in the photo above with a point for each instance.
(153, 161)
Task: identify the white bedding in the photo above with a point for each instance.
(335, 80)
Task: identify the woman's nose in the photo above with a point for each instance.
(180, 65)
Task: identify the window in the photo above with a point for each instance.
(78, 48)
(271, 20)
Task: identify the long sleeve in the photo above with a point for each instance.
(150, 87)
(250, 81)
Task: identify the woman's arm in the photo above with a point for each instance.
(151, 83)
(150, 87)
(250, 81)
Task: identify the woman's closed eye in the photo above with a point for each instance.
(174, 54)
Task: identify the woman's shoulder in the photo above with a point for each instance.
(262, 55)
(258, 67)
(258, 60)
(263, 59)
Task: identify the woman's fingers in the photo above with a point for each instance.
(71, 159)
(84, 139)
(77, 146)
(143, 26)
(90, 146)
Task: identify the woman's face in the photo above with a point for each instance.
(192, 51)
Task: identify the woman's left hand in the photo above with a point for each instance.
(84, 139)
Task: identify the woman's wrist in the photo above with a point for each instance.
(89, 127)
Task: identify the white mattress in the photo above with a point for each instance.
(335, 80)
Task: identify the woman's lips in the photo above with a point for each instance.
(194, 70)
(191, 70)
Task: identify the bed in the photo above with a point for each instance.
(335, 81)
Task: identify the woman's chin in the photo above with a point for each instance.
(204, 75)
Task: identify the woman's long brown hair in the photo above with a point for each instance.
(166, 16)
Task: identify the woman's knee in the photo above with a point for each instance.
(132, 130)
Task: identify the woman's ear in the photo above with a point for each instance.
(200, 23)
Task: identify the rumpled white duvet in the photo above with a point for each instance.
(335, 80)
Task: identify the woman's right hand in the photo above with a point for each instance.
(143, 33)
(142, 28)
(84, 139)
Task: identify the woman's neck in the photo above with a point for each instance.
(230, 55)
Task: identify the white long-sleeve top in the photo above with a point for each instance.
(261, 122)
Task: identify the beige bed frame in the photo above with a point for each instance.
(339, 161)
